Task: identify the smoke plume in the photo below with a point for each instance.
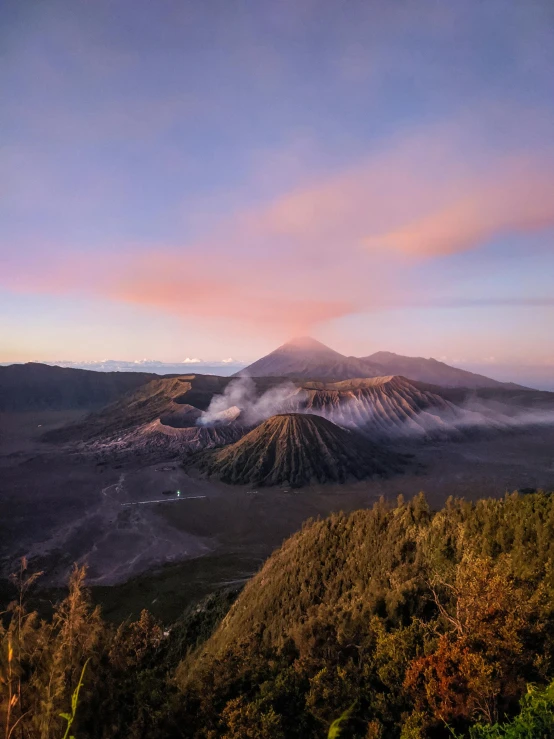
(241, 397)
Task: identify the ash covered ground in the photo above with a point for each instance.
(60, 507)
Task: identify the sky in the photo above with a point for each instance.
(209, 178)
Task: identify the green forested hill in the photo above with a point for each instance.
(419, 619)
(411, 624)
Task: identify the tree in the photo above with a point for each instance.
(478, 663)
(244, 720)
(534, 721)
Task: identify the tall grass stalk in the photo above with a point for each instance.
(70, 717)
(335, 730)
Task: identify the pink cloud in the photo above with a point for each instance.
(214, 299)
(328, 248)
(518, 198)
(426, 197)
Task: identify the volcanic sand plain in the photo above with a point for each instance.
(58, 507)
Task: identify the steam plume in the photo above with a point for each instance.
(241, 396)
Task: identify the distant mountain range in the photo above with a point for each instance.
(306, 358)
(223, 367)
(36, 386)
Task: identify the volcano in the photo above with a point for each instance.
(160, 417)
(308, 359)
(297, 449)
(386, 408)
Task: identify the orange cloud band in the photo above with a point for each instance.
(326, 249)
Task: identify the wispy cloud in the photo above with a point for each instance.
(329, 247)
(517, 198)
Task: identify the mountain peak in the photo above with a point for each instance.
(307, 358)
(304, 341)
(307, 345)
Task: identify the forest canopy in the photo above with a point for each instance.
(410, 623)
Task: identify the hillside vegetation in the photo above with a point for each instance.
(409, 623)
(418, 619)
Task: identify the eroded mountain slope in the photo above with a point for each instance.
(298, 449)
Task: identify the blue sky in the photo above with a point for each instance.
(209, 178)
